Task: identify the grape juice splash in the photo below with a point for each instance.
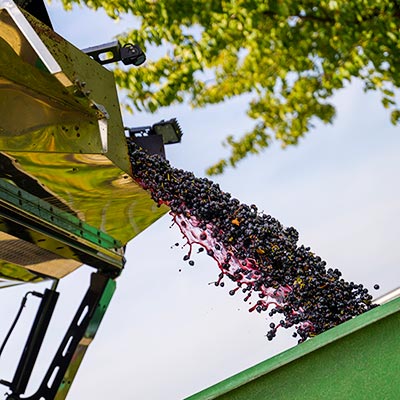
(254, 250)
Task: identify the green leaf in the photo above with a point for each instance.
(395, 117)
(292, 56)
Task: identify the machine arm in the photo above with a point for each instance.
(59, 376)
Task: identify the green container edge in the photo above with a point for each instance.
(280, 360)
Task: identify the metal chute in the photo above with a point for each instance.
(63, 154)
(67, 196)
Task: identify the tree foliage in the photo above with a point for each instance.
(290, 56)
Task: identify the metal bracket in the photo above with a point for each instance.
(113, 52)
(65, 364)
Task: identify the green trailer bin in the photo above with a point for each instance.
(359, 359)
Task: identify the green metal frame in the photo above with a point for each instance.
(90, 333)
(56, 230)
(67, 359)
(51, 215)
(357, 360)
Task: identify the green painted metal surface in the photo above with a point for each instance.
(48, 213)
(359, 359)
(61, 237)
(87, 340)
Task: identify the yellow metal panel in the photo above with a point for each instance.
(100, 194)
(62, 137)
(20, 253)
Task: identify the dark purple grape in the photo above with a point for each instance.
(254, 250)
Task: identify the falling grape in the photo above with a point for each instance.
(253, 250)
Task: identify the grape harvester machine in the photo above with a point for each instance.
(67, 196)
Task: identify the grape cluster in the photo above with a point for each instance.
(254, 250)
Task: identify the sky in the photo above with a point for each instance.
(168, 332)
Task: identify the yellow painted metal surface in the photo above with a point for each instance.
(62, 137)
(35, 258)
